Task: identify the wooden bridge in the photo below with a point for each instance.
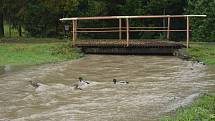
(127, 45)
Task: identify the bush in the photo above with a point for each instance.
(67, 50)
(203, 28)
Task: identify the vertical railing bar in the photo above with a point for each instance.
(168, 31)
(188, 32)
(73, 33)
(120, 29)
(76, 24)
(127, 30)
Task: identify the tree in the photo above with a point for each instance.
(18, 15)
(41, 17)
(203, 28)
(1, 19)
(13, 13)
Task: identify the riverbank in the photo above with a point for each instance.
(31, 54)
(203, 108)
(204, 52)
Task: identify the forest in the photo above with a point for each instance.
(40, 81)
(40, 18)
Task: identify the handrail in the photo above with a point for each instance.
(107, 28)
(127, 27)
(130, 17)
(113, 31)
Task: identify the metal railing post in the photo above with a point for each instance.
(168, 31)
(120, 29)
(188, 32)
(76, 25)
(127, 30)
(73, 33)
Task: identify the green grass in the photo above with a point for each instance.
(203, 108)
(30, 50)
(29, 54)
(204, 52)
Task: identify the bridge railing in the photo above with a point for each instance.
(127, 28)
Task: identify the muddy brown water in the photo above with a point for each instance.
(157, 86)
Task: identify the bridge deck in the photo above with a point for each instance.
(132, 43)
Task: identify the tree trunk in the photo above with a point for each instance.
(20, 30)
(56, 29)
(1, 25)
(10, 33)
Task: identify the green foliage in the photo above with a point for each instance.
(203, 29)
(133, 7)
(66, 50)
(203, 109)
(40, 18)
(1, 19)
(28, 54)
(90, 8)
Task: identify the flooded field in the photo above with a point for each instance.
(157, 86)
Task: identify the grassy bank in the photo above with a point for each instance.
(204, 52)
(203, 108)
(29, 54)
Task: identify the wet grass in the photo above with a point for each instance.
(30, 54)
(203, 108)
(204, 52)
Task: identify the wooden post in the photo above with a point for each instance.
(127, 30)
(76, 25)
(73, 33)
(168, 31)
(120, 29)
(188, 32)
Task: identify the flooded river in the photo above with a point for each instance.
(157, 85)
